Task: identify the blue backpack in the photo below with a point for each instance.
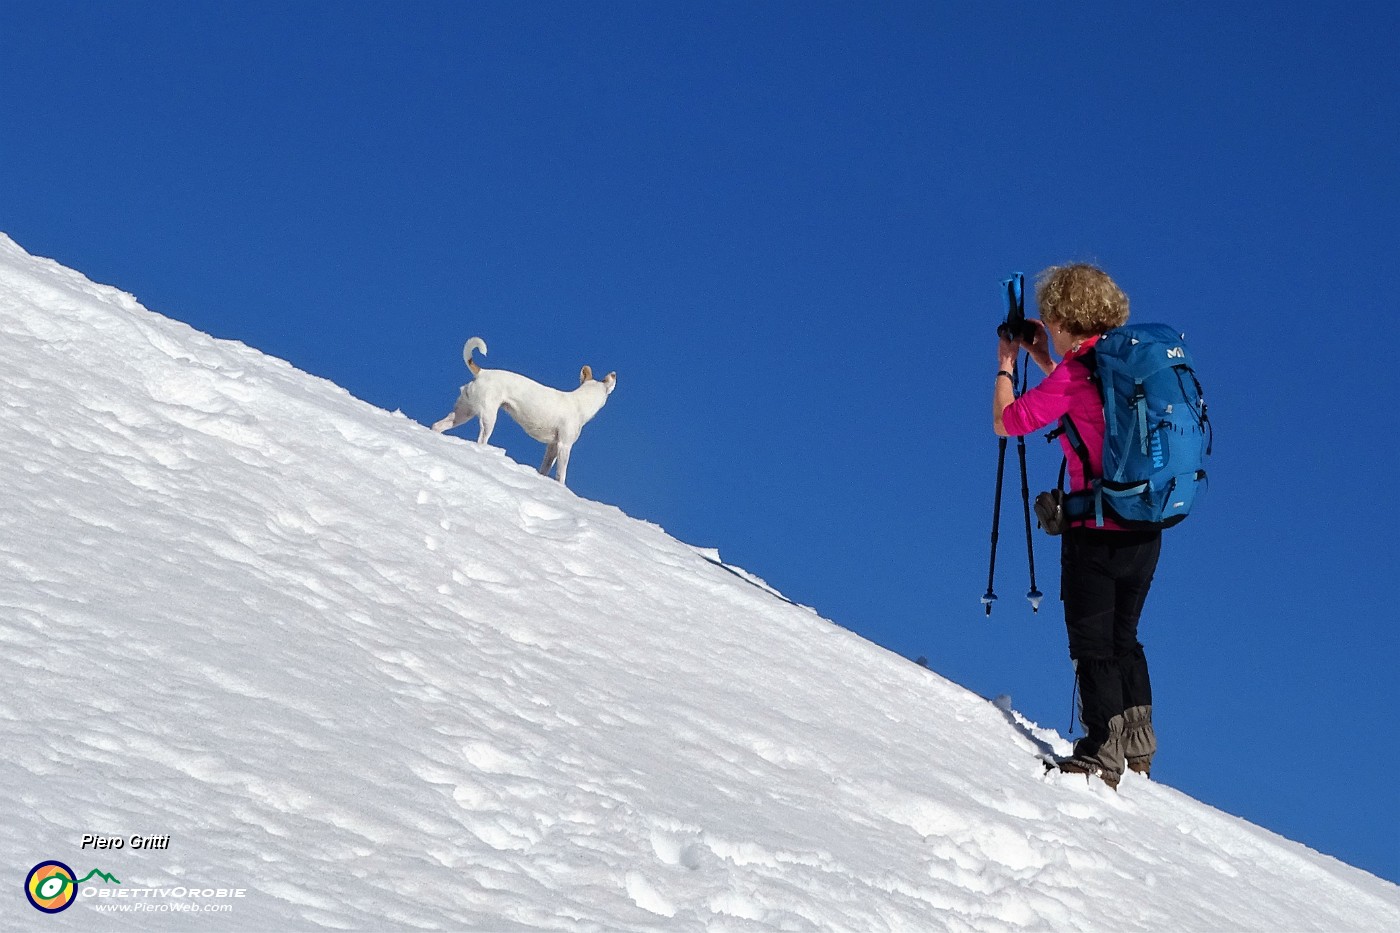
(1156, 432)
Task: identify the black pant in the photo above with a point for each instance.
(1105, 576)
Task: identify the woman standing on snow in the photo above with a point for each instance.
(1105, 570)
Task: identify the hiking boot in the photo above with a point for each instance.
(1076, 765)
(1139, 740)
(1141, 765)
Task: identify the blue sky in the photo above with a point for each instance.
(784, 225)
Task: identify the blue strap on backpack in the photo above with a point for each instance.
(1156, 430)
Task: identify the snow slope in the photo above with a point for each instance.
(382, 679)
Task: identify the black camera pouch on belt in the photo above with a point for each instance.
(1050, 511)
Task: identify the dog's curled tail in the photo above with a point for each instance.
(476, 343)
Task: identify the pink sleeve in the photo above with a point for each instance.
(1040, 406)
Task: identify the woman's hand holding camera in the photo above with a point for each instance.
(1007, 351)
(1038, 348)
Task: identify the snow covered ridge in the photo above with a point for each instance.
(375, 678)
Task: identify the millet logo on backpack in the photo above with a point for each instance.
(1176, 353)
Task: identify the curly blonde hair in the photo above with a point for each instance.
(1080, 298)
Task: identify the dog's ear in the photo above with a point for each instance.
(611, 382)
(585, 374)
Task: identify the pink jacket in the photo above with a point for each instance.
(1067, 390)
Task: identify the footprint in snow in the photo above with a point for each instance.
(546, 521)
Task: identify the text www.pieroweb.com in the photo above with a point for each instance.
(165, 900)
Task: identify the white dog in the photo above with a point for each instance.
(552, 417)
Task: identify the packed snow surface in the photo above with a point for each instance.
(377, 678)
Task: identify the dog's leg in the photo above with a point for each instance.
(488, 424)
(550, 453)
(562, 463)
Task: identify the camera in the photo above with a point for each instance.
(1016, 327)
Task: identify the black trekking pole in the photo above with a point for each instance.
(1015, 326)
(990, 596)
(1033, 594)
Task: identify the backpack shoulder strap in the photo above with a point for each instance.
(1076, 440)
(1076, 443)
(1087, 502)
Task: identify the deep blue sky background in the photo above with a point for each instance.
(784, 225)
